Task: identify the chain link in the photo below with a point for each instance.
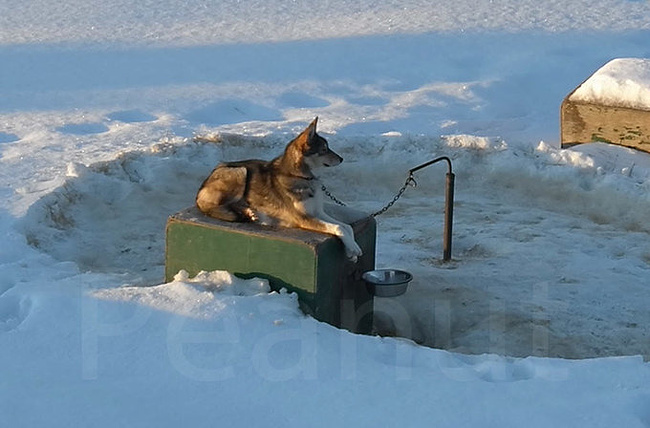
(332, 197)
(410, 181)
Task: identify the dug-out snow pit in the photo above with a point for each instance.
(550, 247)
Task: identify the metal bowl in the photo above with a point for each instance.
(387, 282)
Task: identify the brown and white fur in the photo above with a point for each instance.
(281, 192)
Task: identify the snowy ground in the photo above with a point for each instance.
(111, 114)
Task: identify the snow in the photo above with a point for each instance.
(113, 112)
(190, 297)
(622, 82)
(197, 23)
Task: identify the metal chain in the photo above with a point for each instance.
(332, 197)
(410, 181)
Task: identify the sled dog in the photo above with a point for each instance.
(281, 192)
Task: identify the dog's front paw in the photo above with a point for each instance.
(353, 252)
(251, 215)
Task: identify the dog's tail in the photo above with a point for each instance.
(222, 195)
(211, 203)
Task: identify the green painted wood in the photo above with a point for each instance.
(195, 247)
(312, 264)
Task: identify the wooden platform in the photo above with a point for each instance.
(589, 123)
(312, 264)
(607, 121)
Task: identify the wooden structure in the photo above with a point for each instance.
(608, 122)
(311, 264)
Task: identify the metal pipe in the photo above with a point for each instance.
(449, 204)
(431, 162)
(449, 216)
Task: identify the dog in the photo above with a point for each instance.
(282, 192)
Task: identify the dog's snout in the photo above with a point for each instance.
(333, 159)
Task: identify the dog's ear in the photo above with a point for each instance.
(307, 135)
(312, 127)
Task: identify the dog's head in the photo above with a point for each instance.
(314, 148)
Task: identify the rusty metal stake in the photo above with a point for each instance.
(449, 204)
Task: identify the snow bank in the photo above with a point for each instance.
(255, 360)
(622, 82)
(199, 297)
(474, 142)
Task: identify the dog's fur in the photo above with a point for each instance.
(281, 192)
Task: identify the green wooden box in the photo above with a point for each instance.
(311, 264)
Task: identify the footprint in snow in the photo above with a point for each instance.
(5, 285)
(301, 100)
(131, 116)
(83, 128)
(368, 101)
(13, 311)
(234, 110)
(8, 138)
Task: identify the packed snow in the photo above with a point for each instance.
(622, 82)
(200, 23)
(113, 112)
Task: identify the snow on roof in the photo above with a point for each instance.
(622, 82)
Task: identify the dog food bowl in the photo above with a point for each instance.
(387, 282)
